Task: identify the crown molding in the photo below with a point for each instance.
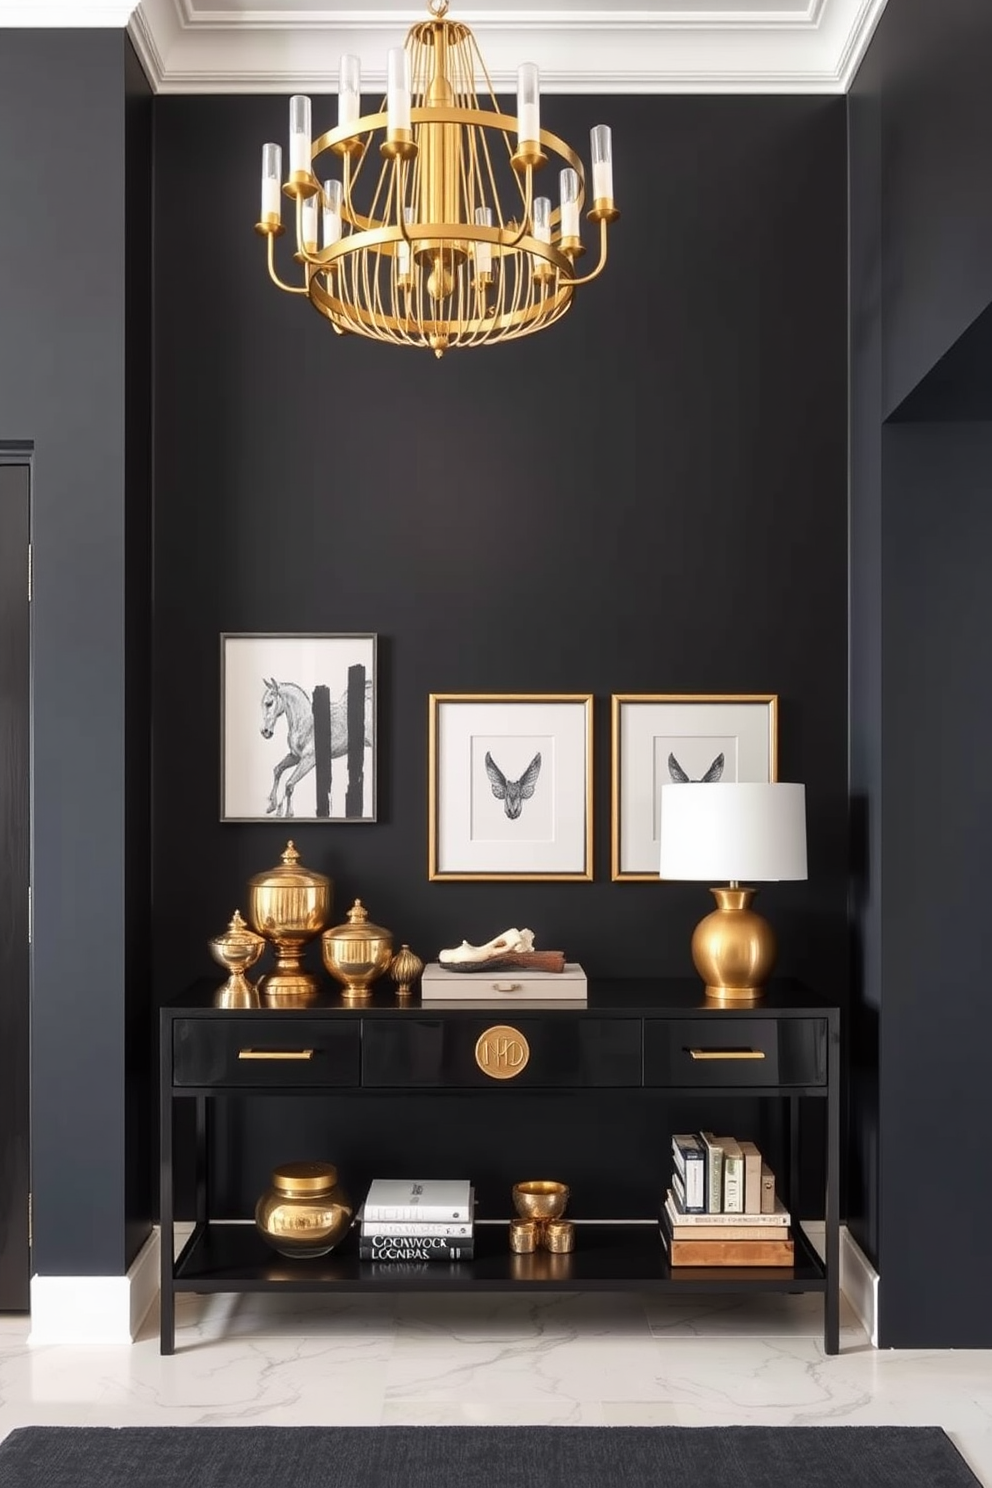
(65, 13)
(783, 46)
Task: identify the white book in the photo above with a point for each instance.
(438, 984)
(407, 1199)
(779, 1216)
(451, 1230)
(733, 1176)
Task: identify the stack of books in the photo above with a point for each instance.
(404, 1219)
(722, 1208)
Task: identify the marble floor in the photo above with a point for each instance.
(580, 1359)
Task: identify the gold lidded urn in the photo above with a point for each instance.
(289, 905)
(305, 1212)
(357, 953)
(236, 950)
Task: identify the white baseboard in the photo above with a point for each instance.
(95, 1310)
(858, 1277)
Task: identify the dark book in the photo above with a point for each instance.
(414, 1248)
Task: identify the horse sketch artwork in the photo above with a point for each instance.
(299, 727)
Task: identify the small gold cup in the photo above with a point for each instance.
(559, 1236)
(540, 1198)
(525, 1236)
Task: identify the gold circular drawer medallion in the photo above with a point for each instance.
(501, 1052)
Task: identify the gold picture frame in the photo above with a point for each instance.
(504, 764)
(712, 725)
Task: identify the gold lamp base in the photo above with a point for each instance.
(734, 948)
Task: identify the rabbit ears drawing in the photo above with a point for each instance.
(513, 793)
(679, 775)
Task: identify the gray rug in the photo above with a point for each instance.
(490, 1456)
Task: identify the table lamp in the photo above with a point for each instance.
(741, 833)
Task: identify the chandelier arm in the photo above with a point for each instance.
(289, 288)
(400, 212)
(528, 207)
(595, 273)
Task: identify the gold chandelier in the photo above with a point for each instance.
(453, 248)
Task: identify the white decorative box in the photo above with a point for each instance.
(508, 986)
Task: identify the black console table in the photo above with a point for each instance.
(633, 1036)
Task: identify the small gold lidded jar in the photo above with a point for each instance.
(305, 1212)
(357, 953)
(236, 950)
(289, 905)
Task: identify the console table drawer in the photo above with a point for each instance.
(712, 1051)
(289, 1052)
(444, 1052)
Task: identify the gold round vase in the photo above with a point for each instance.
(289, 905)
(305, 1212)
(733, 948)
(357, 953)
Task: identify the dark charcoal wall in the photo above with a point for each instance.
(937, 1021)
(649, 497)
(921, 228)
(62, 387)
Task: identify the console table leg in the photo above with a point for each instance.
(167, 1245)
(831, 1338)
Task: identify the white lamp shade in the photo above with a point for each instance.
(749, 832)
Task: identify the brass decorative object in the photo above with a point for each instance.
(405, 967)
(540, 1199)
(525, 1236)
(734, 948)
(357, 953)
(236, 950)
(502, 1052)
(559, 1236)
(305, 1212)
(448, 247)
(289, 905)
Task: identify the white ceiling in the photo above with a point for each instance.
(584, 46)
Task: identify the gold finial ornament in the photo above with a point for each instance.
(405, 967)
(236, 950)
(442, 247)
(357, 953)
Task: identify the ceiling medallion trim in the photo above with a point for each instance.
(800, 16)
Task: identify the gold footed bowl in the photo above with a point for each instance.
(540, 1198)
(305, 1212)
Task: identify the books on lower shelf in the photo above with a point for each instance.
(722, 1208)
(417, 1220)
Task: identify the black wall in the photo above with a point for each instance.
(649, 497)
(921, 281)
(63, 367)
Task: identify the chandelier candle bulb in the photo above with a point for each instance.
(299, 134)
(528, 104)
(569, 181)
(309, 224)
(349, 92)
(484, 251)
(398, 90)
(602, 163)
(332, 212)
(271, 183)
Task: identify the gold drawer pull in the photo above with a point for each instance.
(506, 986)
(275, 1053)
(726, 1054)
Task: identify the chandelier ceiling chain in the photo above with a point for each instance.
(454, 248)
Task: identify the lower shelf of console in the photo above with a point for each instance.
(232, 1257)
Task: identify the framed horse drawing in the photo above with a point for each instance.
(298, 727)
